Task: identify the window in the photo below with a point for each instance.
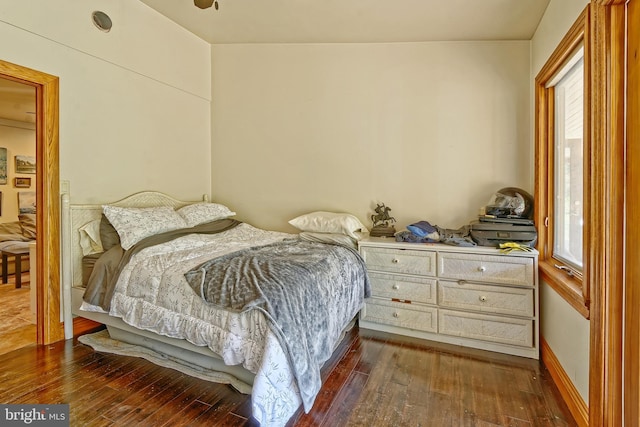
(568, 171)
(562, 166)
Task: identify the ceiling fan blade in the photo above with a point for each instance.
(203, 4)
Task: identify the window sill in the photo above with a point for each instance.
(569, 288)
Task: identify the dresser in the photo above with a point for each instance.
(469, 296)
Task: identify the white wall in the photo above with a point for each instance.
(430, 129)
(564, 329)
(134, 102)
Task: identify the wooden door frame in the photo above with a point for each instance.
(607, 243)
(49, 326)
(631, 352)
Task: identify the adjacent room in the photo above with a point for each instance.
(17, 214)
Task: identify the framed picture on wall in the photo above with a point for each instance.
(21, 182)
(26, 202)
(25, 164)
(3, 165)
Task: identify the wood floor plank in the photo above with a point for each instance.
(212, 417)
(390, 406)
(146, 391)
(17, 320)
(334, 376)
(223, 397)
(186, 416)
(369, 402)
(416, 365)
(56, 388)
(18, 337)
(180, 402)
(164, 395)
(20, 387)
(85, 411)
(372, 380)
(487, 394)
(444, 364)
(370, 346)
(439, 410)
(342, 407)
(119, 399)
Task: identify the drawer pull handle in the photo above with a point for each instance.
(482, 268)
(395, 260)
(396, 314)
(396, 287)
(483, 298)
(462, 282)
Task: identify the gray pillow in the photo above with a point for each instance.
(108, 234)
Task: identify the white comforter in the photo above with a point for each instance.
(152, 294)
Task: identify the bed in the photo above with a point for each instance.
(183, 297)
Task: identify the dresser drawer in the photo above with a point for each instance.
(407, 288)
(486, 298)
(400, 260)
(504, 330)
(486, 268)
(409, 316)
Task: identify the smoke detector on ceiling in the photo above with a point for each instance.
(102, 21)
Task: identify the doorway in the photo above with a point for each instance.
(17, 222)
(49, 326)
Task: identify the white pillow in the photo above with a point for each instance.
(90, 241)
(329, 222)
(134, 224)
(199, 213)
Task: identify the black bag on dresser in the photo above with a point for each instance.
(490, 233)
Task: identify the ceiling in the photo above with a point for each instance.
(17, 102)
(355, 21)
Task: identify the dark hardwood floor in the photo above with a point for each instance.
(372, 380)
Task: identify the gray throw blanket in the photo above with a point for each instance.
(309, 292)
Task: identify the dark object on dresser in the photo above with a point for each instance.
(382, 222)
(488, 233)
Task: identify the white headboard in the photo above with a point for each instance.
(75, 216)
